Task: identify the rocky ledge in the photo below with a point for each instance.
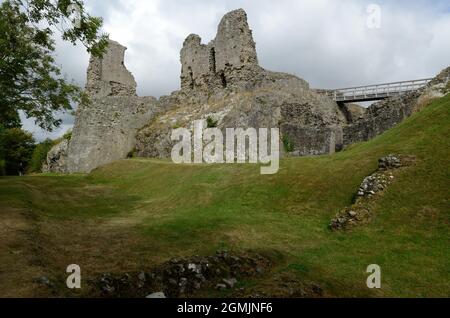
(184, 277)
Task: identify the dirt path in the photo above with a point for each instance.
(19, 264)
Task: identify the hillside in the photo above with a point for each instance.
(135, 214)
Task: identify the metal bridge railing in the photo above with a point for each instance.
(374, 92)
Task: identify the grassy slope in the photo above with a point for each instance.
(135, 213)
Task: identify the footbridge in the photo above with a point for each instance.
(373, 92)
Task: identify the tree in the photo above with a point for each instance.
(2, 151)
(16, 148)
(9, 117)
(30, 80)
(39, 155)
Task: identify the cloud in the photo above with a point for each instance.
(39, 134)
(326, 42)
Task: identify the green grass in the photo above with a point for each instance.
(178, 210)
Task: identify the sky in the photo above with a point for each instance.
(329, 43)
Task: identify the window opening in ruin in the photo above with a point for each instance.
(212, 60)
(191, 78)
(223, 79)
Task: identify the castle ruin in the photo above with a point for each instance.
(221, 80)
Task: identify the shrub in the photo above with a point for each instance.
(211, 123)
(40, 156)
(68, 135)
(16, 148)
(2, 167)
(132, 154)
(288, 145)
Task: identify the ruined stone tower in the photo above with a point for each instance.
(108, 76)
(229, 60)
(105, 128)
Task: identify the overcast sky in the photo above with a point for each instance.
(328, 43)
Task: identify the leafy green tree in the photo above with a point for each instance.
(30, 80)
(40, 153)
(9, 117)
(39, 156)
(2, 151)
(16, 148)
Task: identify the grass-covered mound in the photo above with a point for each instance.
(138, 213)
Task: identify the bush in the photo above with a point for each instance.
(68, 135)
(16, 148)
(40, 152)
(40, 156)
(132, 154)
(288, 145)
(2, 167)
(211, 122)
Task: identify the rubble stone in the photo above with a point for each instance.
(177, 278)
(370, 187)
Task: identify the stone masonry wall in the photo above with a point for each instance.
(387, 113)
(228, 60)
(108, 76)
(105, 128)
(380, 117)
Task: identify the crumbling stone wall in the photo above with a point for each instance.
(311, 141)
(57, 158)
(105, 130)
(196, 71)
(108, 76)
(236, 59)
(223, 81)
(352, 112)
(228, 61)
(106, 127)
(380, 117)
(387, 113)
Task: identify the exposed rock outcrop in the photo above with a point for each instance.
(57, 158)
